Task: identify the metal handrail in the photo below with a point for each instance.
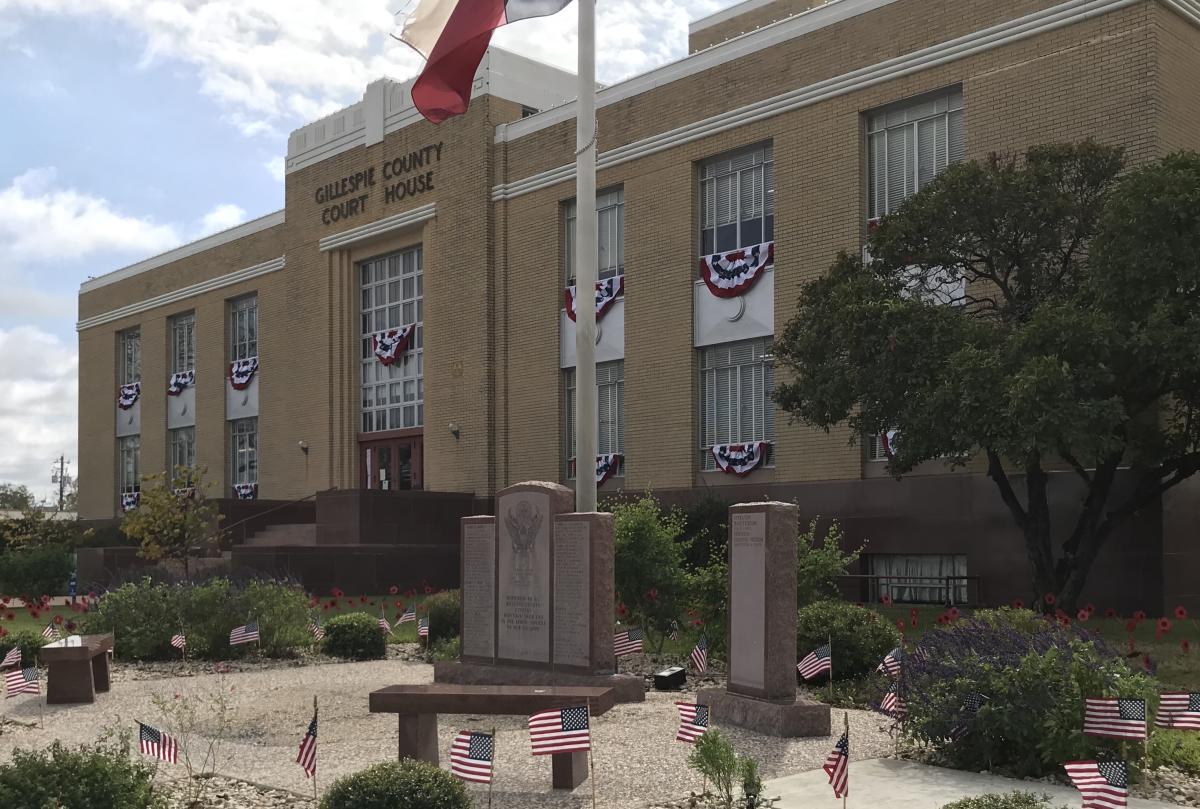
(242, 523)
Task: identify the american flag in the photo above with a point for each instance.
(156, 744)
(314, 626)
(817, 661)
(970, 707)
(1179, 710)
(307, 757)
(693, 721)
(700, 655)
(892, 703)
(423, 628)
(179, 641)
(836, 767)
(21, 681)
(384, 626)
(13, 658)
(673, 632)
(471, 756)
(891, 662)
(244, 634)
(51, 631)
(627, 642)
(409, 615)
(563, 730)
(1104, 784)
(1115, 718)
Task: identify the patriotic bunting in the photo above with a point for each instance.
(156, 744)
(693, 722)
(471, 756)
(1103, 784)
(731, 274)
(740, 459)
(242, 371)
(130, 500)
(246, 491)
(180, 381)
(389, 345)
(607, 466)
(128, 395)
(1177, 709)
(607, 292)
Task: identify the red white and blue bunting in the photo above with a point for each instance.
(128, 395)
(607, 466)
(887, 443)
(731, 274)
(130, 500)
(607, 292)
(242, 371)
(246, 491)
(186, 493)
(180, 381)
(389, 345)
(740, 459)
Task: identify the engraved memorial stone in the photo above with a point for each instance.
(747, 602)
(572, 591)
(524, 577)
(479, 587)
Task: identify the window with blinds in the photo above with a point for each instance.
(908, 144)
(243, 328)
(610, 410)
(183, 343)
(182, 448)
(393, 396)
(610, 235)
(243, 451)
(737, 200)
(130, 355)
(128, 459)
(736, 382)
(919, 578)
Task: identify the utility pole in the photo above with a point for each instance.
(59, 476)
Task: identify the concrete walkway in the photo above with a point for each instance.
(891, 784)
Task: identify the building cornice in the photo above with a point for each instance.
(380, 227)
(726, 14)
(1188, 9)
(1030, 25)
(183, 293)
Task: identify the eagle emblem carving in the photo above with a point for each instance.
(523, 523)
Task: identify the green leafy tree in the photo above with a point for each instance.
(648, 565)
(16, 497)
(1040, 312)
(820, 562)
(38, 528)
(173, 517)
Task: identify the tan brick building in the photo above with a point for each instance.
(785, 124)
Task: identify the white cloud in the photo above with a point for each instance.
(277, 167)
(222, 217)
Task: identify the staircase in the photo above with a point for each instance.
(284, 534)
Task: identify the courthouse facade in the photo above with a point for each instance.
(403, 322)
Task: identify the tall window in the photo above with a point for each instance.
(610, 408)
(908, 144)
(182, 448)
(610, 233)
(737, 200)
(393, 396)
(183, 343)
(130, 370)
(128, 464)
(920, 578)
(243, 451)
(736, 382)
(243, 328)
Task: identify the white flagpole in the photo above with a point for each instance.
(586, 263)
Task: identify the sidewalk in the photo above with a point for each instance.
(891, 784)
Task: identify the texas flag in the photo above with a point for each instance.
(453, 35)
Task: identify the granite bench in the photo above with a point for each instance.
(418, 707)
(78, 668)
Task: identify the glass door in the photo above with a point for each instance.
(392, 465)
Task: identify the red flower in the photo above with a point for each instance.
(1110, 613)
(912, 612)
(1083, 615)
(698, 623)
(886, 600)
(58, 620)
(622, 610)
(70, 626)
(1130, 625)
(324, 608)
(900, 625)
(953, 613)
(362, 599)
(912, 622)
(1183, 644)
(399, 605)
(393, 590)
(6, 599)
(428, 590)
(8, 616)
(1064, 621)
(1181, 613)
(1140, 615)
(1164, 624)
(45, 599)
(1090, 608)
(33, 613)
(1018, 604)
(941, 619)
(336, 592)
(1050, 599)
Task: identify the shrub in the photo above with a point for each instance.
(820, 561)
(355, 636)
(445, 615)
(860, 637)
(144, 615)
(713, 757)
(648, 564)
(405, 784)
(99, 776)
(706, 526)
(1034, 676)
(282, 614)
(1011, 800)
(29, 641)
(1167, 748)
(36, 569)
(708, 590)
(449, 649)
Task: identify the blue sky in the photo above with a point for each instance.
(132, 126)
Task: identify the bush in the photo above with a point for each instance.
(706, 526)
(820, 562)
(1167, 748)
(29, 641)
(648, 565)
(1011, 800)
(355, 636)
(1034, 675)
(405, 784)
(100, 776)
(449, 649)
(713, 757)
(445, 615)
(860, 637)
(282, 614)
(37, 570)
(708, 601)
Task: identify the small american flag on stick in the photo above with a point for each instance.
(817, 661)
(409, 615)
(970, 708)
(423, 628)
(1103, 784)
(21, 681)
(51, 631)
(156, 744)
(891, 662)
(314, 626)
(693, 722)
(307, 757)
(700, 655)
(563, 730)
(244, 634)
(627, 642)
(837, 767)
(384, 626)
(892, 703)
(179, 641)
(13, 658)
(471, 756)
(1179, 710)
(1114, 717)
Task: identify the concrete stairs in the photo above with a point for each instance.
(286, 534)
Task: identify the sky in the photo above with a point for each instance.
(133, 126)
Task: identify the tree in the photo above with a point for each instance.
(36, 527)
(1041, 312)
(16, 497)
(173, 517)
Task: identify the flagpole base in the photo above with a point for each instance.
(569, 770)
(800, 718)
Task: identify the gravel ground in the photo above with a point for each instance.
(637, 761)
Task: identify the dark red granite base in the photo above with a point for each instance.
(790, 720)
(627, 687)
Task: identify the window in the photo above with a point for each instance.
(182, 448)
(243, 451)
(875, 445)
(736, 382)
(393, 396)
(130, 370)
(128, 464)
(243, 328)
(610, 409)
(908, 144)
(183, 343)
(920, 578)
(737, 200)
(610, 235)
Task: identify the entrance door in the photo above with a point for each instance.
(393, 464)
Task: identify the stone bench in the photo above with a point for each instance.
(78, 668)
(418, 707)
